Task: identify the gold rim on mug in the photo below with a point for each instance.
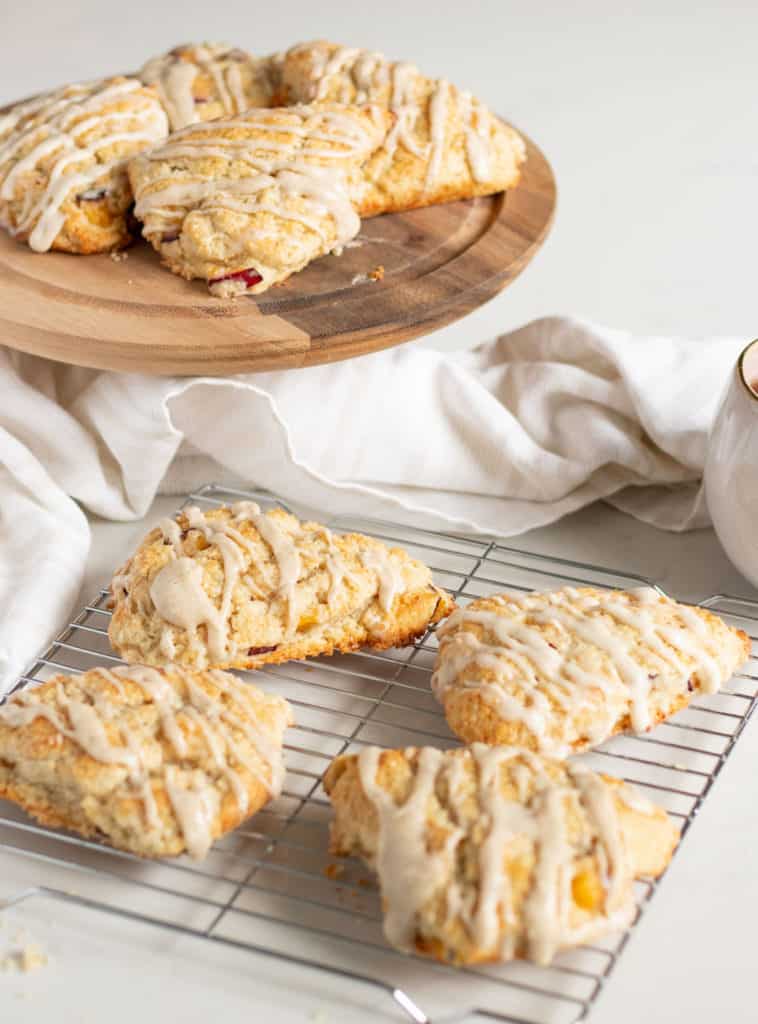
(752, 390)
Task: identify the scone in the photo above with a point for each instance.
(236, 588)
(564, 670)
(490, 854)
(246, 201)
(153, 762)
(444, 144)
(63, 178)
(200, 82)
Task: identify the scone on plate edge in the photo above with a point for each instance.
(562, 671)
(488, 854)
(444, 144)
(63, 156)
(233, 587)
(153, 762)
(246, 201)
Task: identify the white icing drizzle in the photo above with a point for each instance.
(283, 549)
(58, 129)
(411, 875)
(477, 124)
(285, 160)
(195, 809)
(195, 805)
(171, 532)
(408, 876)
(389, 578)
(339, 574)
(438, 110)
(359, 76)
(633, 799)
(179, 598)
(174, 75)
(541, 676)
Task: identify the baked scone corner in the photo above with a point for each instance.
(562, 671)
(235, 587)
(155, 762)
(488, 854)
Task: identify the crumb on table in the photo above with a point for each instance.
(28, 958)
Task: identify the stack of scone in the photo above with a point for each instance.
(241, 169)
(497, 850)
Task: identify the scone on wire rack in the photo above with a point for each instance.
(244, 202)
(234, 587)
(562, 671)
(491, 854)
(204, 81)
(154, 762)
(63, 155)
(444, 143)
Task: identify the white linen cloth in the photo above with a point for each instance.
(500, 439)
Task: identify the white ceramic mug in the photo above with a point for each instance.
(731, 468)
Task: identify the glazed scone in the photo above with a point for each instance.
(63, 156)
(564, 670)
(201, 82)
(444, 144)
(153, 762)
(237, 588)
(491, 854)
(246, 201)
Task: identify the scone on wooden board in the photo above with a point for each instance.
(234, 587)
(63, 155)
(244, 202)
(153, 762)
(443, 145)
(491, 854)
(204, 81)
(562, 671)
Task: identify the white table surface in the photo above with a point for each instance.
(649, 121)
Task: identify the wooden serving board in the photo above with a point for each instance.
(132, 315)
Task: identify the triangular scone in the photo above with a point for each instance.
(564, 670)
(236, 588)
(154, 762)
(204, 81)
(63, 156)
(493, 853)
(444, 144)
(244, 202)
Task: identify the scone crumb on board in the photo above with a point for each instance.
(334, 871)
(119, 256)
(377, 274)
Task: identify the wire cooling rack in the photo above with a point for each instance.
(271, 886)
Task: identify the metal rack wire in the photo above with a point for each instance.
(270, 887)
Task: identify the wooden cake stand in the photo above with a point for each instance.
(132, 315)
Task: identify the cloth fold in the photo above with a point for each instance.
(500, 439)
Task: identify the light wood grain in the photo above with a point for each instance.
(440, 263)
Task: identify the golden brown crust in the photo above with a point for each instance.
(486, 685)
(48, 767)
(445, 145)
(458, 811)
(335, 606)
(267, 191)
(98, 127)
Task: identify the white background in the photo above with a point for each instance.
(648, 114)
